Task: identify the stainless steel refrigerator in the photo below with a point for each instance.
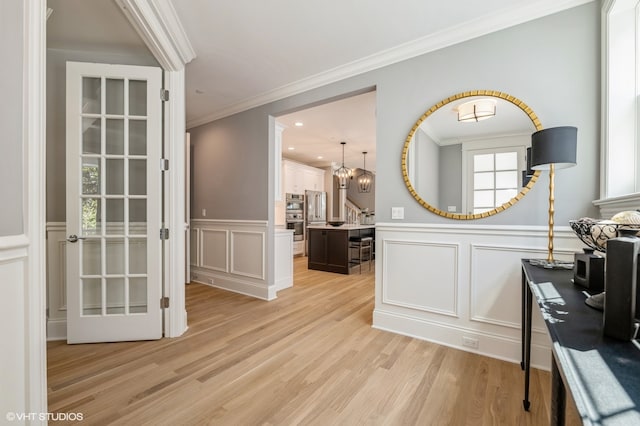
(315, 212)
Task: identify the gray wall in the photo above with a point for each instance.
(56, 116)
(450, 178)
(552, 64)
(11, 190)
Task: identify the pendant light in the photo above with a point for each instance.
(343, 174)
(365, 178)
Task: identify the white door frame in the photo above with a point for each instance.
(169, 45)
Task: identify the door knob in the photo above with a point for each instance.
(74, 238)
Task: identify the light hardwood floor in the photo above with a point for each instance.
(309, 357)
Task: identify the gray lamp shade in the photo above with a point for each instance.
(556, 145)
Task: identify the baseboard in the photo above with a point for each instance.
(56, 329)
(491, 345)
(233, 284)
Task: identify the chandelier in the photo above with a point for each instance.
(365, 178)
(343, 174)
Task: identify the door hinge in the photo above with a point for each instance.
(164, 95)
(164, 234)
(164, 302)
(164, 164)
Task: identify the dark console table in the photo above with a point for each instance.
(602, 374)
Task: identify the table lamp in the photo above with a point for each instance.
(551, 149)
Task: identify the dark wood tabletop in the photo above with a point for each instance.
(602, 374)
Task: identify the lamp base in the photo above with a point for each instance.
(554, 264)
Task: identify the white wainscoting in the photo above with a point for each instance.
(56, 281)
(231, 255)
(13, 296)
(443, 283)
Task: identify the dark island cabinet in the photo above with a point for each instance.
(329, 247)
(329, 250)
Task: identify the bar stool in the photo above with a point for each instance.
(363, 247)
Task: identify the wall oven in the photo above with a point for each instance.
(295, 203)
(295, 215)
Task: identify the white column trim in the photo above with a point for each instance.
(157, 23)
(34, 178)
(176, 315)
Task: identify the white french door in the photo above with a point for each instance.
(114, 196)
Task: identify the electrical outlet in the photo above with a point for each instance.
(210, 280)
(452, 209)
(204, 212)
(470, 342)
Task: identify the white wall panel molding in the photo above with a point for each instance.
(248, 255)
(446, 283)
(56, 281)
(13, 248)
(214, 249)
(425, 275)
(232, 255)
(610, 206)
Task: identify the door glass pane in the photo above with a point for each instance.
(483, 163)
(137, 97)
(114, 176)
(91, 95)
(91, 216)
(138, 256)
(137, 177)
(507, 179)
(506, 161)
(115, 96)
(138, 295)
(137, 217)
(483, 180)
(91, 250)
(115, 136)
(115, 256)
(115, 216)
(482, 199)
(91, 135)
(115, 296)
(137, 137)
(90, 176)
(91, 296)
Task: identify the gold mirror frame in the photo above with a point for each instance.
(405, 174)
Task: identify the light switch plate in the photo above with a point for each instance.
(397, 212)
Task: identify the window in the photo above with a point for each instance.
(491, 171)
(620, 167)
(494, 178)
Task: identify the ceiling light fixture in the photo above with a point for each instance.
(291, 148)
(476, 110)
(298, 124)
(343, 174)
(365, 178)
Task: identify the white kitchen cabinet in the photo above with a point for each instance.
(314, 179)
(298, 247)
(300, 177)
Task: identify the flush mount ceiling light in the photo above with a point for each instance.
(476, 110)
(365, 178)
(298, 124)
(343, 174)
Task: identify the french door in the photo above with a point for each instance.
(113, 204)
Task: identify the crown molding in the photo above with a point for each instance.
(157, 23)
(462, 32)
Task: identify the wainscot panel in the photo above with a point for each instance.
(232, 255)
(13, 296)
(460, 285)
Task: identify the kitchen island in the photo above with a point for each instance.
(329, 246)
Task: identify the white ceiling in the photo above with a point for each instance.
(252, 52)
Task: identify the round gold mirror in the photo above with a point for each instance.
(465, 158)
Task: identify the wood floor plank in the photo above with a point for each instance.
(309, 357)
